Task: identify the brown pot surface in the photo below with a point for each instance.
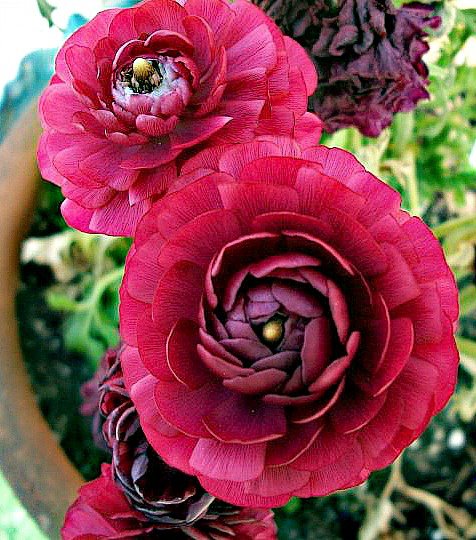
(30, 456)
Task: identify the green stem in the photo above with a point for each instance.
(412, 188)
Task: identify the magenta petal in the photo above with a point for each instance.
(216, 349)
(177, 295)
(149, 156)
(248, 349)
(199, 240)
(354, 410)
(444, 356)
(316, 279)
(345, 472)
(416, 386)
(148, 16)
(82, 65)
(281, 360)
(228, 461)
(379, 432)
(397, 285)
(339, 310)
(253, 421)
(288, 260)
(218, 14)
(152, 345)
(182, 357)
(260, 310)
(155, 126)
(328, 447)
(297, 440)
(184, 409)
(76, 216)
(58, 105)
(221, 367)
(239, 329)
(273, 170)
(426, 313)
(336, 369)
(201, 36)
(397, 355)
(256, 49)
(251, 200)
(276, 481)
(299, 57)
(317, 409)
(118, 218)
(143, 271)
(316, 349)
(376, 333)
(132, 366)
(294, 383)
(258, 383)
(166, 40)
(152, 183)
(193, 131)
(297, 299)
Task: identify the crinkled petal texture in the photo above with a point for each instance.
(138, 90)
(164, 495)
(368, 55)
(289, 328)
(102, 511)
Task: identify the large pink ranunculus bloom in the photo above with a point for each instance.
(136, 90)
(289, 326)
(102, 511)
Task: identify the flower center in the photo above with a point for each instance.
(142, 77)
(272, 331)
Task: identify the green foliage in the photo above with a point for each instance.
(46, 11)
(88, 295)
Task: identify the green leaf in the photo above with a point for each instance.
(467, 299)
(458, 224)
(46, 11)
(467, 349)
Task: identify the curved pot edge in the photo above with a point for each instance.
(30, 457)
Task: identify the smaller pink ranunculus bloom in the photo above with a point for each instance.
(138, 90)
(289, 327)
(102, 511)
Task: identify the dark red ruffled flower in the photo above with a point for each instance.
(139, 496)
(102, 511)
(90, 397)
(368, 55)
(164, 495)
(289, 328)
(135, 90)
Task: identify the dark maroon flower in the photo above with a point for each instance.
(136, 90)
(368, 55)
(164, 495)
(90, 395)
(289, 327)
(101, 511)
(139, 496)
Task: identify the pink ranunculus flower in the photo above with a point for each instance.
(102, 511)
(137, 90)
(289, 327)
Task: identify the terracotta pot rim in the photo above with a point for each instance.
(31, 458)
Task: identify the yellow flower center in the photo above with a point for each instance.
(273, 331)
(142, 69)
